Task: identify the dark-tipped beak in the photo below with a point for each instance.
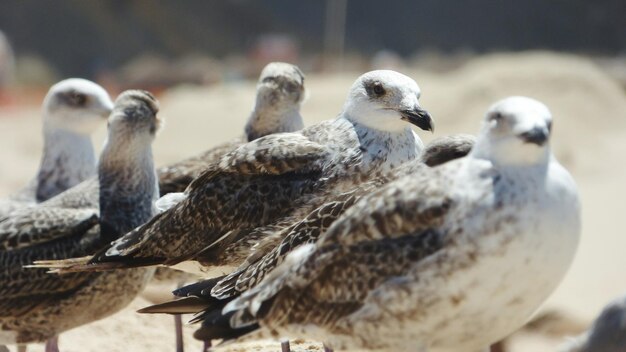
(420, 118)
(537, 135)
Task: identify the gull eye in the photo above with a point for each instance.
(78, 99)
(496, 116)
(378, 89)
(374, 89)
(269, 79)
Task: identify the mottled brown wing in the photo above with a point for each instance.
(41, 224)
(342, 277)
(447, 148)
(411, 204)
(176, 177)
(216, 204)
(24, 289)
(404, 213)
(276, 154)
(304, 231)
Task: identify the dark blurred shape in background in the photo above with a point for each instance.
(93, 39)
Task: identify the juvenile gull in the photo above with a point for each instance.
(264, 180)
(450, 259)
(280, 92)
(36, 306)
(72, 110)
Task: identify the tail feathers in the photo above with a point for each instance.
(226, 287)
(59, 263)
(216, 325)
(187, 305)
(199, 289)
(84, 264)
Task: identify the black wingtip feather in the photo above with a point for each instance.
(187, 305)
(217, 326)
(198, 289)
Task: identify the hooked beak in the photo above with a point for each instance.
(419, 117)
(537, 135)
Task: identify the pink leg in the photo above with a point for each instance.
(52, 345)
(284, 346)
(327, 349)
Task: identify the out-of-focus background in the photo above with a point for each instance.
(202, 59)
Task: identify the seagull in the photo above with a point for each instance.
(263, 180)
(36, 306)
(452, 258)
(606, 334)
(280, 93)
(72, 110)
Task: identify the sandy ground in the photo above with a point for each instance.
(589, 110)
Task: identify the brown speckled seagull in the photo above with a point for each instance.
(280, 92)
(36, 306)
(452, 258)
(72, 110)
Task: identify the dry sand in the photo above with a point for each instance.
(589, 110)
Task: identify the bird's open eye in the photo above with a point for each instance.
(496, 116)
(78, 99)
(269, 79)
(378, 89)
(374, 89)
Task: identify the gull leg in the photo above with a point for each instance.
(178, 328)
(497, 347)
(21, 348)
(207, 346)
(52, 345)
(284, 346)
(327, 349)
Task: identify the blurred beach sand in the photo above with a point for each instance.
(589, 110)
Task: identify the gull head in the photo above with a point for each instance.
(135, 116)
(516, 130)
(386, 100)
(76, 105)
(280, 91)
(280, 84)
